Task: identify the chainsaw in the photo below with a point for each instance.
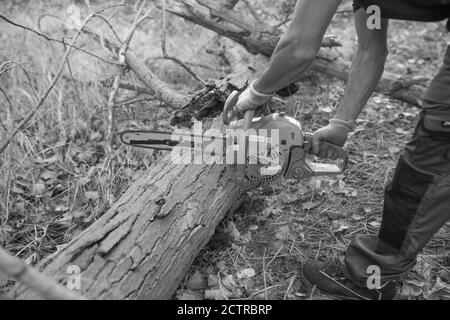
(280, 154)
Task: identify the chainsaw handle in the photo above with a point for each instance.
(339, 151)
(229, 111)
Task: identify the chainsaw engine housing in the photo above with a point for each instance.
(271, 163)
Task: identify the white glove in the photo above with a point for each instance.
(250, 99)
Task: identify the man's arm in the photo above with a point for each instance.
(298, 47)
(294, 52)
(366, 71)
(367, 67)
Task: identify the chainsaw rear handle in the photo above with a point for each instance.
(229, 112)
(340, 152)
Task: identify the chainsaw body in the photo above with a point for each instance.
(282, 147)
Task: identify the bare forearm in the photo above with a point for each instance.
(299, 45)
(367, 69)
(287, 65)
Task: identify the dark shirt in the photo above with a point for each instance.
(414, 10)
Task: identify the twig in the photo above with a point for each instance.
(138, 19)
(53, 39)
(52, 84)
(7, 99)
(111, 107)
(134, 100)
(252, 11)
(173, 58)
(30, 82)
(135, 87)
(264, 274)
(46, 287)
(8, 65)
(111, 28)
(291, 283)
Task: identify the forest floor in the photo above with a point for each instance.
(51, 193)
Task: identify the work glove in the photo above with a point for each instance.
(250, 99)
(336, 132)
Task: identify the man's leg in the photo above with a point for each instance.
(417, 202)
(416, 206)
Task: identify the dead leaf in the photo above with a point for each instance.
(246, 273)
(248, 284)
(61, 208)
(91, 195)
(83, 181)
(409, 290)
(375, 224)
(288, 197)
(38, 189)
(233, 232)
(218, 294)
(48, 175)
(283, 233)
(196, 281)
(394, 150)
(311, 205)
(367, 209)
(229, 282)
(96, 136)
(357, 217)
(213, 281)
(315, 183)
(339, 226)
(187, 295)
(52, 159)
(221, 266)
(401, 131)
(246, 237)
(326, 109)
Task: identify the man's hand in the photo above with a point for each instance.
(336, 132)
(251, 99)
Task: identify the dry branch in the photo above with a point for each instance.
(167, 56)
(121, 57)
(30, 115)
(158, 88)
(44, 286)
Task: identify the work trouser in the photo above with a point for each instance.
(417, 201)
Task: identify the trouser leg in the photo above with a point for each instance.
(417, 201)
